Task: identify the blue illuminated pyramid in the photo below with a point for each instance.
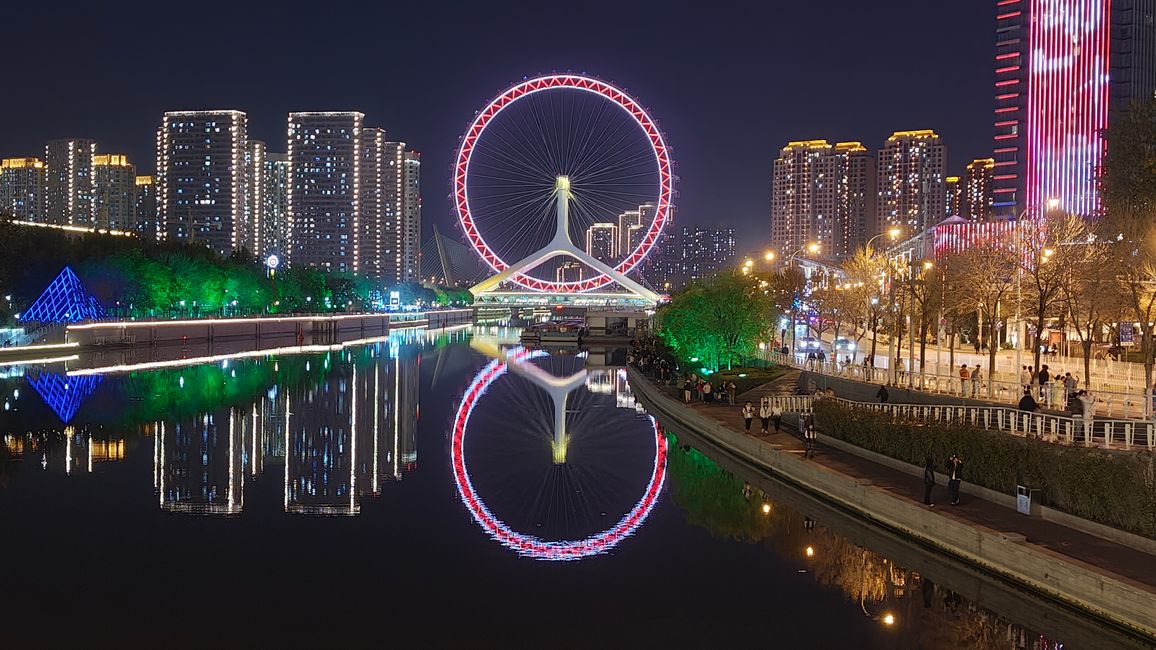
(64, 301)
(64, 394)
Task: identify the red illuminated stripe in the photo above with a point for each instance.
(1006, 136)
(1008, 55)
(1011, 68)
(1007, 123)
(1012, 14)
(1007, 109)
(1007, 96)
(1006, 82)
(1007, 150)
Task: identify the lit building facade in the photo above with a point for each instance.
(147, 225)
(68, 185)
(704, 252)
(602, 242)
(978, 200)
(411, 216)
(114, 193)
(202, 192)
(22, 188)
(822, 194)
(1051, 109)
(570, 271)
(912, 184)
(273, 229)
(954, 186)
(324, 188)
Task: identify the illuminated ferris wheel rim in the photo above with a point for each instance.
(528, 545)
(551, 82)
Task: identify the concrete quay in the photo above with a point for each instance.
(1109, 581)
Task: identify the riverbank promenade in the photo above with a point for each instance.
(1087, 556)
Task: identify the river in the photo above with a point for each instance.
(442, 488)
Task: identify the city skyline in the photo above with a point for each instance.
(428, 94)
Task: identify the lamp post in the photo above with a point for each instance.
(893, 233)
(811, 248)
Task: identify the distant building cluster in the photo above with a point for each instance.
(1063, 68)
(341, 198)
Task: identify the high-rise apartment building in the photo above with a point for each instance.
(704, 252)
(249, 234)
(324, 188)
(978, 200)
(1051, 108)
(147, 225)
(954, 186)
(822, 194)
(379, 258)
(912, 183)
(202, 184)
(602, 242)
(68, 186)
(411, 216)
(22, 188)
(570, 271)
(273, 229)
(114, 193)
(1132, 53)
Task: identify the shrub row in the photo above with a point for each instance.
(1114, 488)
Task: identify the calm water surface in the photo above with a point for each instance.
(435, 489)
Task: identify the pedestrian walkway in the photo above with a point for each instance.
(1076, 545)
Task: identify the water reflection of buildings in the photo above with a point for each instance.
(68, 450)
(351, 433)
(199, 464)
(613, 382)
(349, 427)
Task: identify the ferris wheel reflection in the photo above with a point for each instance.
(557, 448)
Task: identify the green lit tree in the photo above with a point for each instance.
(719, 320)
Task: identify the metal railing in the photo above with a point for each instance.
(1104, 432)
(1054, 395)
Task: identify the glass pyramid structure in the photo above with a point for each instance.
(64, 394)
(64, 301)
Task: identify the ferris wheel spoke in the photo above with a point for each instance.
(524, 160)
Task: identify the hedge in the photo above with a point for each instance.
(1114, 488)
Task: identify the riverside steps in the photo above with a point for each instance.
(1107, 579)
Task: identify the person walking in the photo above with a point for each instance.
(707, 393)
(954, 478)
(975, 376)
(732, 392)
(765, 413)
(964, 376)
(686, 390)
(748, 415)
(809, 437)
(777, 416)
(1025, 378)
(1044, 378)
(882, 393)
(928, 481)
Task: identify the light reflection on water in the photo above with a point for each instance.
(560, 463)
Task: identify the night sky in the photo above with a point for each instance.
(728, 84)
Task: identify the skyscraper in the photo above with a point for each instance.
(68, 187)
(324, 187)
(22, 188)
(912, 183)
(954, 185)
(249, 235)
(401, 200)
(978, 200)
(114, 192)
(602, 242)
(202, 192)
(274, 217)
(823, 194)
(411, 216)
(146, 207)
(1051, 108)
(704, 252)
(1133, 52)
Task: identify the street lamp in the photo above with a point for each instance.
(812, 247)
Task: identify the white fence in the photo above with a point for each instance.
(1102, 432)
(1109, 404)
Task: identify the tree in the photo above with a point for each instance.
(1128, 191)
(926, 294)
(1092, 298)
(719, 320)
(786, 292)
(1051, 248)
(984, 277)
(865, 272)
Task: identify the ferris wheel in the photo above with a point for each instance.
(551, 160)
